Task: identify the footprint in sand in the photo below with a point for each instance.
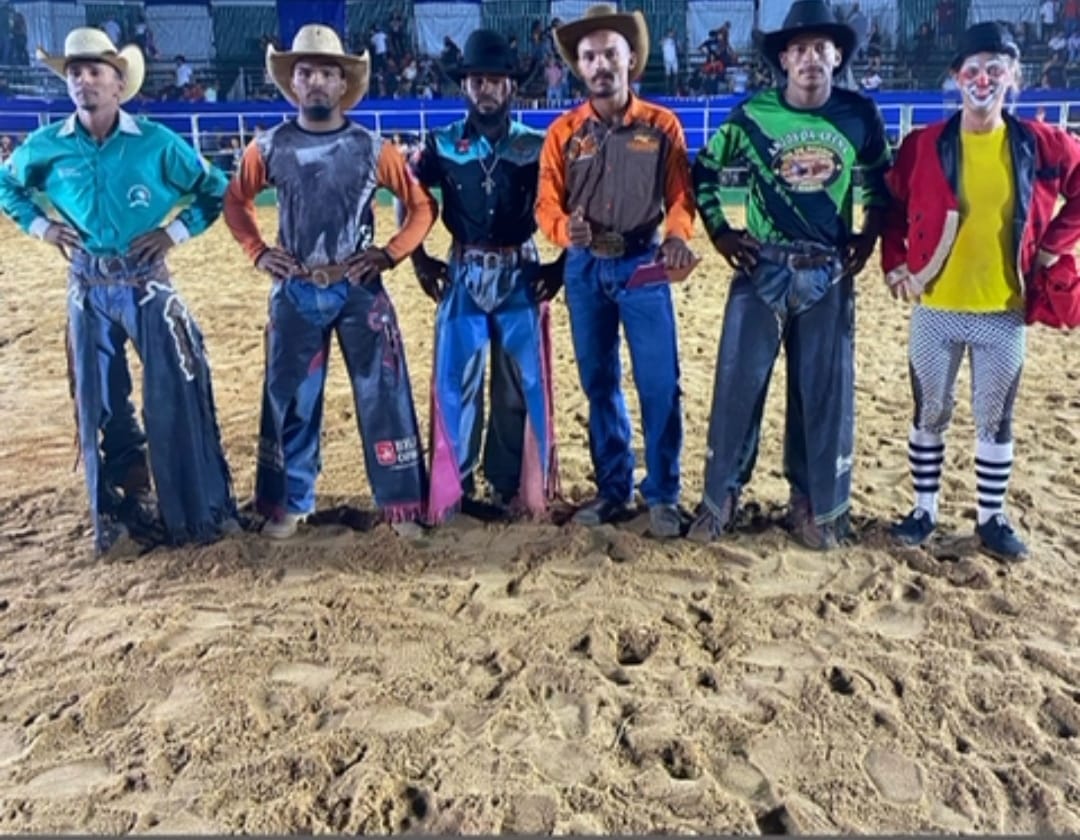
(12, 744)
(200, 626)
(186, 703)
(304, 675)
(897, 778)
(389, 719)
(76, 779)
(898, 621)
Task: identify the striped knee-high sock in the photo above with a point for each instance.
(926, 454)
(993, 464)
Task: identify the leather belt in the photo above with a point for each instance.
(496, 256)
(799, 255)
(115, 269)
(610, 244)
(324, 276)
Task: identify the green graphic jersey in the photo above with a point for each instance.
(801, 165)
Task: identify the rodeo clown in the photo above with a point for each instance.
(611, 170)
(971, 232)
(327, 279)
(493, 293)
(795, 266)
(113, 179)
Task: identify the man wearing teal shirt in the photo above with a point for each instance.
(113, 179)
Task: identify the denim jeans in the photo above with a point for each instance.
(599, 303)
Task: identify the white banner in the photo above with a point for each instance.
(182, 30)
(434, 21)
(48, 23)
(568, 10)
(702, 16)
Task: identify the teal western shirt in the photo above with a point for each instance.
(113, 192)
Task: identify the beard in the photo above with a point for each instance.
(318, 113)
(486, 120)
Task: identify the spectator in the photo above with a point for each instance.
(1054, 73)
(946, 23)
(924, 45)
(184, 72)
(144, 38)
(670, 50)
(398, 36)
(19, 54)
(515, 53)
(112, 29)
(210, 92)
(1073, 47)
(871, 81)
(1040, 114)
(409, 72)
(7, 146)
(1071, 15)
(740, 80)
(450, 56)
(1058, 45)
(553, 78)
(874, 47)
(1047, 18)
(380, 43)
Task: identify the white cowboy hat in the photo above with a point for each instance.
(631, 25)
(317, 41)
(87, 43)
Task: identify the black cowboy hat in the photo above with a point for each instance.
(990, 36)
(487, 53)
(808, 17)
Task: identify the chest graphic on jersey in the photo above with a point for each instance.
(809, 160)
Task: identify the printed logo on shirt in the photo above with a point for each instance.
(138, 196)
(582, 148)
(807, 168)
(643, 143)
(397, 453)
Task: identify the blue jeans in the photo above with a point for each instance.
(190, 474)
(820, 420)
(303, 317)
(599, 302)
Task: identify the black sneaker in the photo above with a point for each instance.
(915, 528)
(998, 539)
(600, 511)
(708, 526)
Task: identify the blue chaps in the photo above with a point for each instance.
(111, 301)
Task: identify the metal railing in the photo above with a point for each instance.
(210, 132)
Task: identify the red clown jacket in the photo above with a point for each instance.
(924, 216)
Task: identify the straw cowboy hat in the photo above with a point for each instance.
(631, 25)
(808, 17)
(317, 41)
(87, 43)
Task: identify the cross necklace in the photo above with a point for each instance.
(488, 183)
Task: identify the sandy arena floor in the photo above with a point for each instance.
(532, 678)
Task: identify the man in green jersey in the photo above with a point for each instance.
(794, 268)
(113, 179)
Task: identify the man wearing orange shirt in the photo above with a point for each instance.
(610, 171)
(327, 279)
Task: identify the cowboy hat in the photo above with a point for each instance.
(317, 41)
(86, 43)
(803, 18)
(487, 53)
(631, 25)
(989, 36)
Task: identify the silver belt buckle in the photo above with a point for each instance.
(319, 277)
(109, 266)
(492, 260)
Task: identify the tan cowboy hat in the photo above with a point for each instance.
(87, 43)
(631, 25)
(317, 41)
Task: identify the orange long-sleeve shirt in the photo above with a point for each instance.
(325, 184)
(626, 178)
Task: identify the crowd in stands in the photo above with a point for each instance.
(400, 70)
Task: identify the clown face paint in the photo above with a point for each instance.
(983, 80)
